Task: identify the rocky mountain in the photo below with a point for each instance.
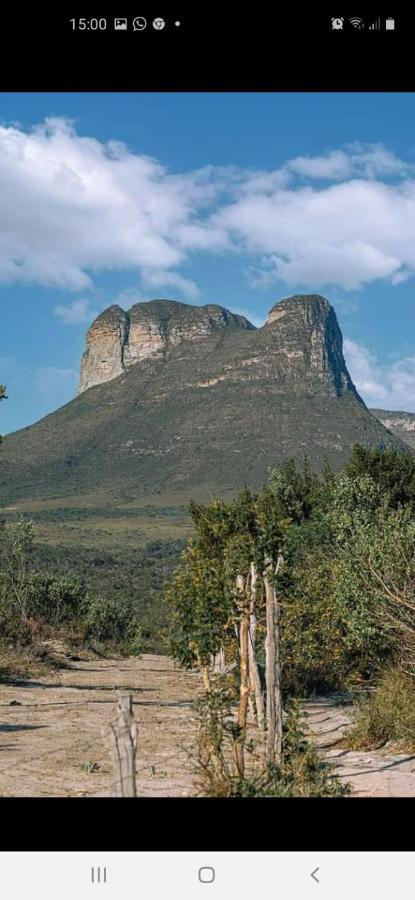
(118, 339)
(400, 423)
(185, 399)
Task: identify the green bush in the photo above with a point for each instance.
(303, 771)
(13, 631)
(110, 623)
(388, 714)
(55, 599)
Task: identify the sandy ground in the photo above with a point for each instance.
(377, 773)
(52, 734)
(50, 740)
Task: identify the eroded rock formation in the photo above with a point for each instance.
(119, 339)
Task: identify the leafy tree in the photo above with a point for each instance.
(55, 599)
(106, 621)
(17, 543)
(324, 565)
(393, 472)
(2, 396)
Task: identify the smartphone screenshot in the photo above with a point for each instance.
(207, 457)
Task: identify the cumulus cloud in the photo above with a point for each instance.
(254, 318)
(78, 312)
(162, 279)
(38, 390)
(73, 206)
(390, 386)
(369, 161)
(50, 381)
(345, 234)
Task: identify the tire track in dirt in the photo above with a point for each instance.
(51, 730)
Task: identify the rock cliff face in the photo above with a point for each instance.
(308, 341)
(103, 356)
(400, 423)
(195, 401)
(118, 339)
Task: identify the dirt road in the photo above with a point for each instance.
(51, 744)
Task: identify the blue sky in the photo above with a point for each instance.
(236, 199)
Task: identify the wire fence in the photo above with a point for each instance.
(117, 776)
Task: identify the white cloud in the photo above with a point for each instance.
(369, 161)
(389, 386)
(38, 390)
(73, 206)
(50, 381)
(254, 318)
(345, 235)
(76, 313)
(161, 279)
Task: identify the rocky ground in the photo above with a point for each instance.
(52, 729)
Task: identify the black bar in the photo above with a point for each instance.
(151, 824)
(277, 49)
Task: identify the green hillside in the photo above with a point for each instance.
(108, 476)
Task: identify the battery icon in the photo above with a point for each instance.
(390, 24)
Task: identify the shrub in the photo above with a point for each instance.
(55, 599)
(109, 623)
(388, 714)
(302, 773)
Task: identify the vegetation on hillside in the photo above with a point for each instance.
(305, 585)
(38, 607)
(314, 574)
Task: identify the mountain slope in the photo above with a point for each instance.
(400, 423)
(212, 411)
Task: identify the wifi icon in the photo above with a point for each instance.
(357, 23)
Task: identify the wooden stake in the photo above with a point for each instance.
(243, 677)
(123, 734)
(254, 677)
(273, 666)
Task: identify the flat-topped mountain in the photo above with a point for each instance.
(195, 399)
(119, 339)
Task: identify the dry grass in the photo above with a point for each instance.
(387, 716)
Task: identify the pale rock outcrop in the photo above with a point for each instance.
(305, 330)
(398, 422)
(103, 356)
(117, 340)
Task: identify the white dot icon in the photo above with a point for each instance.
(177, 24)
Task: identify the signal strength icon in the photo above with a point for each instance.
(357, 23)
(375, 26)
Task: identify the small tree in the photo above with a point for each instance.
(2, 396)
(17, 543)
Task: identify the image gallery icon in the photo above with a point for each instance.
(120, 24)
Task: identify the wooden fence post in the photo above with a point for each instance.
(273, 664)
(239, 743)
(254, 677)
(123, 736)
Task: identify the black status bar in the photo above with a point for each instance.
(206, 49)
